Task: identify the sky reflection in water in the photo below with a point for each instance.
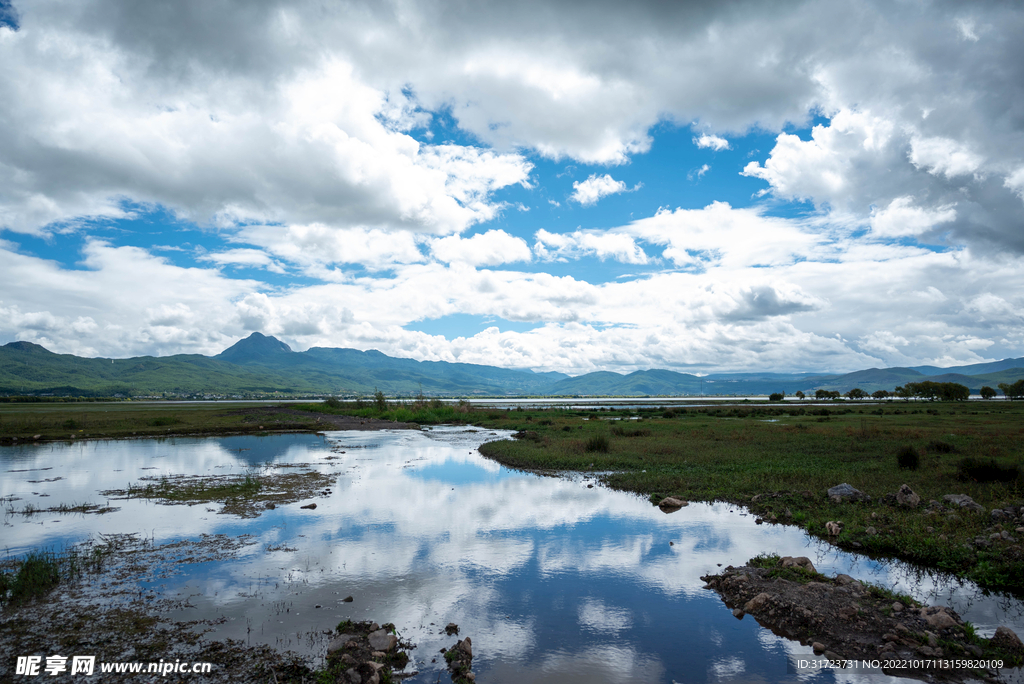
(554, 581)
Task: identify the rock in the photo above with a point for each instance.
(834, 527)
(937, 618)
(906, 497)
(798, 562)
(933, 639)
(897, 607)
(36, 436)
(843, 492)
(466, 646)
(451, 628)
(738, 613)
(757, 603)
(818, 647)
(844, 580)
(871, 531)
(998, 515)
(382, 641)
(339, 642)
(347, 599)
(964, 501)
(670, 504)
(311, 506)
(271, 506)
(1006, 639)
(353, 676)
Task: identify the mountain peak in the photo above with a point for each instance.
(255, 347)
(31, 347)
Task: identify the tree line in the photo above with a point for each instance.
(926, 389)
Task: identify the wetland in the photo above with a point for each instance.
(545, 549)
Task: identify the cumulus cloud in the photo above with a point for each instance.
(588, 192)
(901, 218)
(485, 249)
(714, 142)
(301, 134)
(602, 244)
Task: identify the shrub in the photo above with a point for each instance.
(937, 447)
(598, 443)
(977, 470)
(907, 458)
(332, 402)
(776, 396)
(380, 400)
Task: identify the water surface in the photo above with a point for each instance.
(554, 580)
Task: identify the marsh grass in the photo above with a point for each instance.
(38, 572)
(197, 489)
(58, 421)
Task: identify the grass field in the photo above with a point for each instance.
(133, 419)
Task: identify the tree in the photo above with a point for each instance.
(799, 394)
(903, 393)
(856, 393)
(1014, 391)
(380, 400)
(821, 394)
(880, 394)
(987, 392)
(776, 396)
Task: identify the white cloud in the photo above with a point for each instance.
(244, 257)
(943, 155)
(588, 192)
(602, 244)
(698, 173)
(714, 142)
(485, 249)
(1015, 182)
(901, 218)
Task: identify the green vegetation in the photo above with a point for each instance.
(131, 419)
(37, 572)
(244, 495)
(421, 412)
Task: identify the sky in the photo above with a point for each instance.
(704, 187)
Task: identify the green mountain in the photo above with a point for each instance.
(262, 365)
(256, 365)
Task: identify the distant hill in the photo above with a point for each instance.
(974, 369)
(264, 365)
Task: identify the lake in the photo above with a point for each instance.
(554, 579)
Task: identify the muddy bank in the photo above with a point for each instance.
(101, 612)
(843, 619)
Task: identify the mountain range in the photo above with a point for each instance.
(260, 365)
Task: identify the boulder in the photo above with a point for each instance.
(964, 501)
(757, 603)
(906, 497)
(846, 492)
(798, 562)
(466, 646)
(1006, 639)
(938, 619)
(311, 507)
(339, 642)
(382, 641)
(670, 504)
(834, 527)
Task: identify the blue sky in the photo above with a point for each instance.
(814, 186)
